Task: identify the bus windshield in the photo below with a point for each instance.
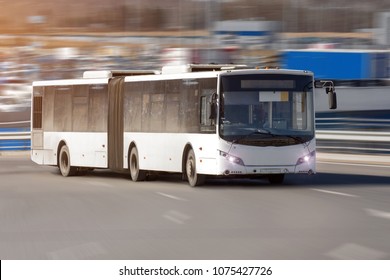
(266, 109)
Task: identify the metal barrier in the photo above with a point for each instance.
(15, 138)
(354, 132)
(358, 142)
(337, 141)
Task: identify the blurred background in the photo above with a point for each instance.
(347, 41)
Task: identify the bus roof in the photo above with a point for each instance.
(184, 71)
(117, 73)
(187, 68)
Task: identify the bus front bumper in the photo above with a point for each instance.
(233, 166)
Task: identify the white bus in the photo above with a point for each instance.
(197, 120)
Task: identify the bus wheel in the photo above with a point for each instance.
(194, 179)
(275, 179)
(135, 173)
(64, 163)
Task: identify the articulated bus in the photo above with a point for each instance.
(197, 120)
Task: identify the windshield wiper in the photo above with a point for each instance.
(257, 131)
(299, 140)
(263, 131)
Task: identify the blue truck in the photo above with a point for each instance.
(338, 64)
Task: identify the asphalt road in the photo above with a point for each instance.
(343, 212)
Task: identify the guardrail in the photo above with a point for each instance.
(15, 138)
(362, 142)
(354, 132)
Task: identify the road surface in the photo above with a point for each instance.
(343, 212)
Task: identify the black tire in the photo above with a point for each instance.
(64, 163)
(276, 179)
(194, 179)
(135, 173)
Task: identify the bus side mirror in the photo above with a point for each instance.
(332, 98)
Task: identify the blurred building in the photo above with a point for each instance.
(180, 56)
(258, 33)
(382, 34)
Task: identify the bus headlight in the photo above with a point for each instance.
(232, 159)
(306, 158)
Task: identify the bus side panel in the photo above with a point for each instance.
(86, 149)
(37, 156)
(72, 111)
(164, 151)
(163, 116)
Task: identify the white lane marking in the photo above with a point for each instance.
(176, 217)
(352, 251)
(172, 196)
(378, 213)
(335, 193)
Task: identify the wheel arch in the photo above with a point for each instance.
(186, 149)
(60, 145)
(132, 145)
